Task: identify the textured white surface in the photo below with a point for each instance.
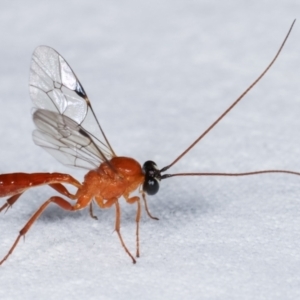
(158, 74)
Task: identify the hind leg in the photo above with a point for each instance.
(10, 201)
(57, 200)
(57, 186)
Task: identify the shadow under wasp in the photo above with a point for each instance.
(69, 130)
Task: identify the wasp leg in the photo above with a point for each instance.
(25, 181)
(146, 208)
(62, 190)
(91, 212)
(57, 200)
(107, 204)
(137, 220)
(117, 228)
(10, 201)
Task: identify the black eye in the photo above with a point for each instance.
(152, 177)
(151, 186)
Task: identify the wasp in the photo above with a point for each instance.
(67, 127)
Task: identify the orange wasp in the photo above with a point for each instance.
(68, 129)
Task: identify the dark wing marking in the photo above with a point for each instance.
(55, 88)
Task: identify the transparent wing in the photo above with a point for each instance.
(66, 140)
(62, 102)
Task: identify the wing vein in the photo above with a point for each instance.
(66, 123)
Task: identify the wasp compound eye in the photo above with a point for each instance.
(151, 186)
(152, 177)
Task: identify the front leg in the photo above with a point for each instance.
(146, 207)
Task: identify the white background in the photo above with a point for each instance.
(158, 74)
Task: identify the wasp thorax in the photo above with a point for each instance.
(152, 177)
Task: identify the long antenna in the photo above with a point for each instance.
(232, 105)
(230, 174)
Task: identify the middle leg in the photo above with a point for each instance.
(117, 228)
(137, 220)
